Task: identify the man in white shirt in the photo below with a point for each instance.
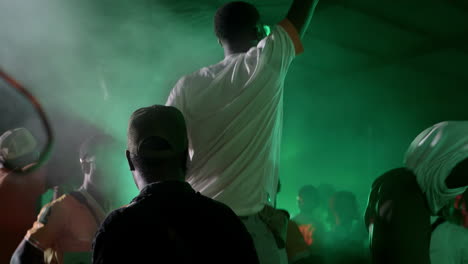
(449, 244)
(234, 115)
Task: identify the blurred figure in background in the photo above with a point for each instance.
(65, 228)
(449, 240)
(326, 192)
(402, 200)
(168, 222)
(19, 191)
(309, 220)
(297, 249)
(347, 238)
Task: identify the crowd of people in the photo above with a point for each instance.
(206, 167)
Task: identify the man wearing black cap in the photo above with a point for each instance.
(168, 221)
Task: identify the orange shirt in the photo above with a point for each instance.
(295, 242)
(19, 194)
(66, 225)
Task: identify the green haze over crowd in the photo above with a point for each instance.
(349, 115)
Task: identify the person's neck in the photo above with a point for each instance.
(177, 176)
(231, 49)
(97, 195)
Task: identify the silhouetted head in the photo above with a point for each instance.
(100, 159)
(344, 207)
(157, 146)
(18, 148)
(308, 199)
(237, 26)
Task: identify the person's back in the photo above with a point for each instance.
(168, 221)
(234, 113)
(234, 118)
(449, 244)
(449, 239)
(234, 108)
(171, 223)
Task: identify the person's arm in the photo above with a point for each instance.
(300, 14)
(42, 235)
(27, 253)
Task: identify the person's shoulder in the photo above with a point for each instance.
(208, 72)
(64, 202)
(119, 217)
(215, 206)
(454, 229)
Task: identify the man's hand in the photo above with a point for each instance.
(301, 13)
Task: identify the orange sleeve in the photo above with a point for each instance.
(293, 34)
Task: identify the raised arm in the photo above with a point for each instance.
(301, 13)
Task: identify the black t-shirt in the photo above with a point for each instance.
(170, 223)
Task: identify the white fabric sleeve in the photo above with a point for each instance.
(277, 50)
(176, 97)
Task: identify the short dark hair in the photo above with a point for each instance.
(234, 19)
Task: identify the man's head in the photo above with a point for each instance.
(18, 148)
(100, 159)
(157, 145)
(308, 199)
(344, 207)
(237, 25)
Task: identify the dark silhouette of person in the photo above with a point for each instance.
(402, 200)
(168, 222)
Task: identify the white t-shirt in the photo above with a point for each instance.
(234, 116)
(449, 244)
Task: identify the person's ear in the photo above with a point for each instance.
(129, 160)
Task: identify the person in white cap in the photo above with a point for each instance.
(19, 191)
